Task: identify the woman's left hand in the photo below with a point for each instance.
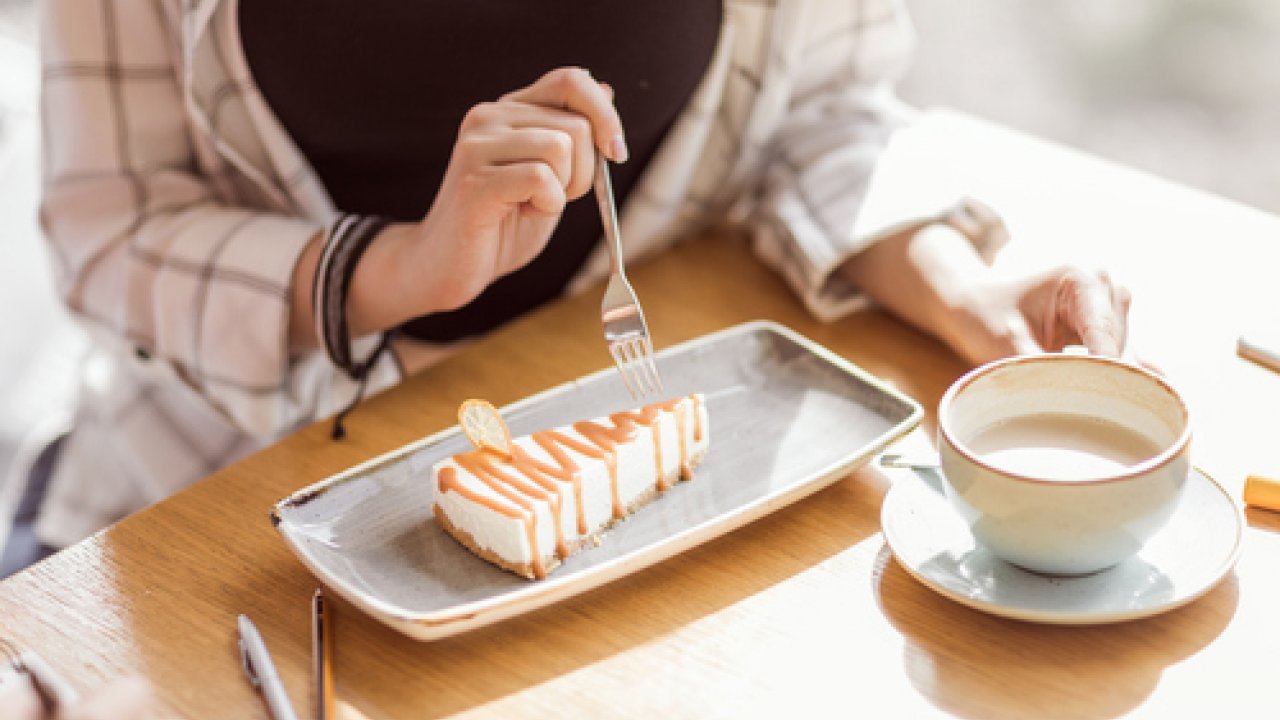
(1043, 312)
(932, 277)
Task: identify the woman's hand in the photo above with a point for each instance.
(1044, 312)
(515, 164)
(932, 277)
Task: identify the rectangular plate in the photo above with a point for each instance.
(787, 417)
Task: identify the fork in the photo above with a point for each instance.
(625, 330)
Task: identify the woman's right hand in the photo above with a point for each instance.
(515, 164)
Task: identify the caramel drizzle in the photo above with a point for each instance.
(607, 439)
(630, 420)
(554, 443)
(449, 482)
(695, 408)
(539, 478)
(655, 429)
(482, 465)
(686, 472)
(697, 418)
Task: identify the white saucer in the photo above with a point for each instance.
(1183, 561)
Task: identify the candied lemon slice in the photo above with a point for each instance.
(484, 427)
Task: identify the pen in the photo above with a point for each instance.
(262, 672)
(322, 653)
(1264, 355)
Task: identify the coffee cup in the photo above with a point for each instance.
(1063, 464)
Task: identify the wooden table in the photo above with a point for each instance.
(804, 612)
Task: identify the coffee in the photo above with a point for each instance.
(1019, 438)
(1061, 446)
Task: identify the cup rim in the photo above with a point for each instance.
(1162, 458)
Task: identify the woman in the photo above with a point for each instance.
(233, 191)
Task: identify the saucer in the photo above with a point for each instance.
(1195, 550)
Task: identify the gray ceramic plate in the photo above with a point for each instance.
(787, 417)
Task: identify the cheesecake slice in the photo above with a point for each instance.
(534, 501)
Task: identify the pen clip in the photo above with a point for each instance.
(247, 661)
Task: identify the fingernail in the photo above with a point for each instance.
(618, 150)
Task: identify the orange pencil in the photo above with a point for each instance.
(1262, 492)
(322, 653)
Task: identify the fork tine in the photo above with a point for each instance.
(634, 369)
(628, 376)
(642, 367)
(652, 364)
(642, 371)
(616, 351)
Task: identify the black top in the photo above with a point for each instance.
(373, 93)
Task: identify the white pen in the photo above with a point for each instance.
(262, 672)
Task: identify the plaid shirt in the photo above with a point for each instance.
(176, 207)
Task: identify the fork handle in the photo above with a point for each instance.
(608, 213)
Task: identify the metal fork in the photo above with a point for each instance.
(625, 330)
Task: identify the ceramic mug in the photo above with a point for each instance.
(1049, 521)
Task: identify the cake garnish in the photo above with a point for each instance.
(483, 426)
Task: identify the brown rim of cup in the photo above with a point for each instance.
(1162, 458)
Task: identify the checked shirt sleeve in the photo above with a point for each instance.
(811, 211)
(146, 252)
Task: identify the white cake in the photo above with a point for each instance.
(560, 488)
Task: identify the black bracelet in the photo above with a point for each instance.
(320, 282)
(350, 250)
(339, 430)
(345, 242)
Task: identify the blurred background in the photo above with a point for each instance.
(1185, 89)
